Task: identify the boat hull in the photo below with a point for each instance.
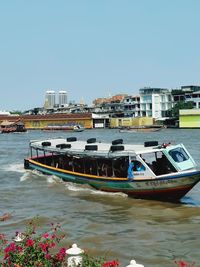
(140, 130)
(63, 128)
(169, 188)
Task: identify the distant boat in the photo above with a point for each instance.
(152, 171)
(63, 127)
(142, 129)
(78, 128)
(12, 127)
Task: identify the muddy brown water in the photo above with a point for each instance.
(151, 232)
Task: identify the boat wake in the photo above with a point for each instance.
(73, 187)
(76, 187)
(87, 189)
(37, 173)
(53, 179)
(29, 175)
(25, 176)
(118, 194)
(18, 167)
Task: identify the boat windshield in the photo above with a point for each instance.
(179, 156)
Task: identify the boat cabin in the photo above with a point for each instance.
(112, 160)
(12, 126)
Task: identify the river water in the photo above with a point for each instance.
(151, 232)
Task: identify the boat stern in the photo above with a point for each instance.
(26, 163)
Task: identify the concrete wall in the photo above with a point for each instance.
(40, 121)
(140, 121)
(39, 124)
(128, 122)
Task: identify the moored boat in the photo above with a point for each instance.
(150, 171)
(140, 129)
(12, 127)
(64, 127)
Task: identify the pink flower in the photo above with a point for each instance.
(110, 264)
(61, 254)
(6, 256)
(52, 245)
(19, 249)
(46, 235)
(47, 256)
(43, 247)
(62, 251)
(184, 264)
(29, 243)
(10, 248)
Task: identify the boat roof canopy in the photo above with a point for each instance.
(7, 123)
(91, 147)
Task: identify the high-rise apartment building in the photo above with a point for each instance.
(62, 98)
(50, 99)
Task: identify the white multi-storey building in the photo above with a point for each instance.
(132, 105)
(62, 98)
(155, 102)
(50, 99)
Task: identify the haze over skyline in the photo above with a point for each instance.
(96, 48)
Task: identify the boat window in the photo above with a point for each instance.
(178, 154)
(120, 166)
(158, 163)
(105, 167)
(149, 158)
(138, 166)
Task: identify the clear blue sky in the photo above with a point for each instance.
(93, 48)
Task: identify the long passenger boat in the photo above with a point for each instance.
(64, 127)
(141, 129)
(149, 171)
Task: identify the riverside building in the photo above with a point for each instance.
(189, 93)
(155, 102)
